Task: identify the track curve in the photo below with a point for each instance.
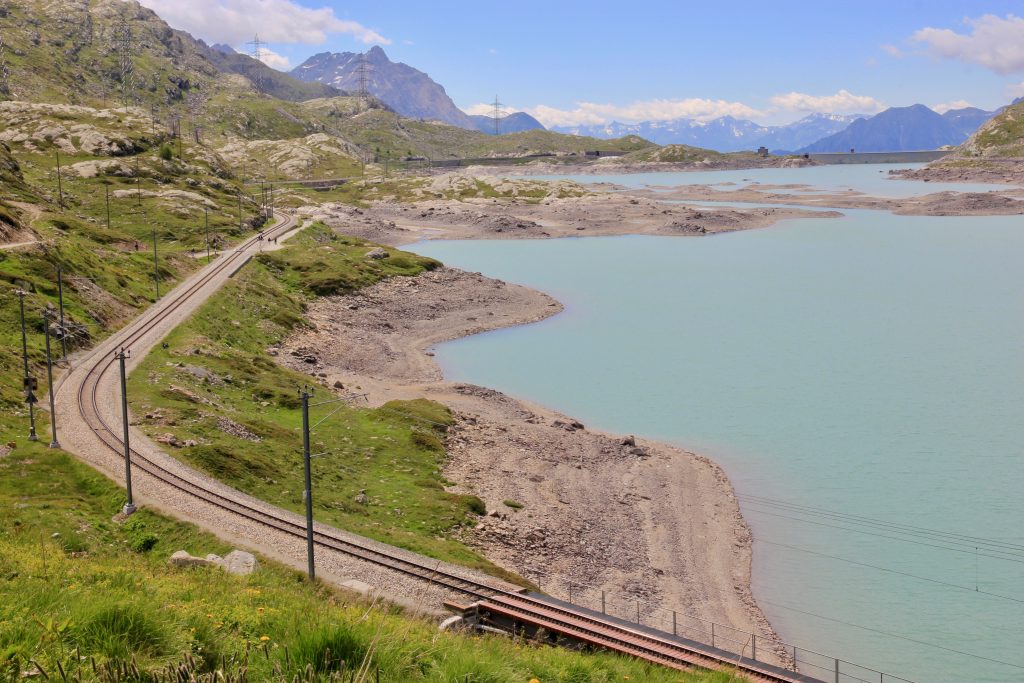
(88, 397)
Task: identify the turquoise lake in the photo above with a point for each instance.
(870, 179)
(870, 367)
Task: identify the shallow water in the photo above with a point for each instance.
(869, 179)
(869, 365)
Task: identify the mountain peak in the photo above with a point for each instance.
(408, 91)
(911, 128)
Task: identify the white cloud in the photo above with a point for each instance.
(1015, 90)
(994, 42)
(590, 113)
(892, 51)
(277, 21)
(955, 104)
(843, 102)
(479, 109)
(273, 59)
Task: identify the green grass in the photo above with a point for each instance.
(74, 595)
(1004, 135)
(108, 272)
(392, 455)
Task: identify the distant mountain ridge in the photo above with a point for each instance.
(272, 82)
(513, 123)
(407, 90)
(903, 129)
(724, 134)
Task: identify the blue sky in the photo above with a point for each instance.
(577, 62)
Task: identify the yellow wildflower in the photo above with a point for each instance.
(534, 680)
(264, 639)
(260, 610)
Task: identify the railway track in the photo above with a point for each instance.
(532, 610)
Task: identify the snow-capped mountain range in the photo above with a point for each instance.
(724, 134)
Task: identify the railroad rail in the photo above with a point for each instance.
(522, 610)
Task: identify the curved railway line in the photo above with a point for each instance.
(491, 603)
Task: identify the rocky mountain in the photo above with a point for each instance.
(968, 119)
(896, 129)
(408, 91)
(513, 123)
(66, 52)
(724, 134)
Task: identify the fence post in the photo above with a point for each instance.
(753, 646)
(570, 592)
(794, 658)
(602, 603)
(837, 671)
(674, 623)
(638, 611)
(712, 634)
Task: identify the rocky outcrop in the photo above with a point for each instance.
(236, 562)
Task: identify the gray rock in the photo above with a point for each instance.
(240, 562)
(377, 253)
(181, 558)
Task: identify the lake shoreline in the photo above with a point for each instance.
(589, 508)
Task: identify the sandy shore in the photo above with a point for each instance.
(643, 521)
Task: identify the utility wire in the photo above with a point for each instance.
(890, 634)
(892, 571)
(973, 552)
(894, 527)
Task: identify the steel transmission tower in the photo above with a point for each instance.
(363, 71)
(498, 114)
(125, 56)
(5, 73)
(256, 53)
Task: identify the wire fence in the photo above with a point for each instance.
(725, 640)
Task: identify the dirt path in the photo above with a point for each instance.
(17, 245)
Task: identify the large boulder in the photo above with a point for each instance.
(240, 562)
(236, 562)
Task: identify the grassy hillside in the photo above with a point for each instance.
(108, 271)
(674, 154)
(66, 52)
(1002, 136)
(384, 133)
(78, 591)
(272, 82)
(217, 388)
